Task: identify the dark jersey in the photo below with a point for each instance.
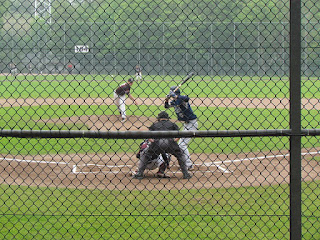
(163, 125)
(164, 145)
(123, 89)
(182, 108)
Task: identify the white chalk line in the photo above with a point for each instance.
(74, 168)
(33, 161)
(217, 164)
(207, 164)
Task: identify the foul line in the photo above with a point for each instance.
(34, 161)
(208, 164)
(217, 164)
(74, 168)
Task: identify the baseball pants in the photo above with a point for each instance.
(119, 100)
(184, 142)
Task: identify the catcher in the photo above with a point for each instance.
(162, 146)
(157, 161)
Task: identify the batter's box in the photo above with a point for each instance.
(205, 167)
(98, 168)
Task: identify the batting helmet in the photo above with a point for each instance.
(173, 88)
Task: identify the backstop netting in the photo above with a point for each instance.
(82, 84)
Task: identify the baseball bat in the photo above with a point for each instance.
(184, 80)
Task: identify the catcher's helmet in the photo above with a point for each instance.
(173, 88)
(164, 115)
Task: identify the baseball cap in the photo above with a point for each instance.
(130, 80)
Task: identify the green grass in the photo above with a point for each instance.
(236, 145)
(230, 119)
(316, 158)
(234, 213)
(198, 214)
(44, 86)
(210, 119)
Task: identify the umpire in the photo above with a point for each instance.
(162, 146)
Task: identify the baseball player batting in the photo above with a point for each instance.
(185, 114)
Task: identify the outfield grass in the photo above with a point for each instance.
(239, 213)
(44, 86)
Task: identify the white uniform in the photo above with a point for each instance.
(120, 98)
(120, 101)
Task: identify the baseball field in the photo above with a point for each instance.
(243, 181)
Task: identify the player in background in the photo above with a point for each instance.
(120, 97)
(69, 67)
(138, 70)
(13, 69)
(30, 68)
(185, 114)
(162, 146)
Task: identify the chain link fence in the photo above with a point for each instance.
(85, 85)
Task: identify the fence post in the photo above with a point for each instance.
(295, 119)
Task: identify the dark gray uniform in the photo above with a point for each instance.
(162, 146)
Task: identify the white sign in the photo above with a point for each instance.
(81, 49)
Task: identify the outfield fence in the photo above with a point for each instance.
(68, 161)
